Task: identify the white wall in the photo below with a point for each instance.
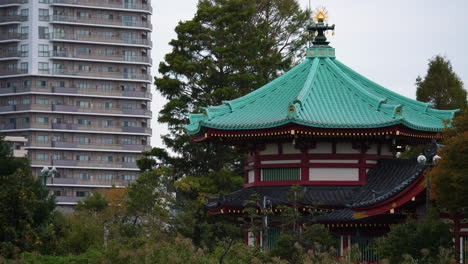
(333, 174)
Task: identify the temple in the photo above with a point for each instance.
(335, 134)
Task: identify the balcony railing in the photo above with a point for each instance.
(106, 3)
(12, 54)
(17, 18)
(102, 39)
(12, 2)
(91, 181)
(77, 127)
(87, 56)
(78, 145)
(74, 109)
(109, 22)
(6, 72)
(109, 75)
(85, 163)
(72, 90)
(12, 36)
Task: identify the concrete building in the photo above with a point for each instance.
(75, 81)
(18, 146)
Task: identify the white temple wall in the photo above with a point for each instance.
(333, 174)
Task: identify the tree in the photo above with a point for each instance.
(450, 176)
(441, 86)
(422, 241)
(228, 49)
(25, 208)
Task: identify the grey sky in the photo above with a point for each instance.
(389, 42)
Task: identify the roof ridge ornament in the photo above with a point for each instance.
(319, 27)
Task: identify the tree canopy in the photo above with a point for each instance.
(441, 86)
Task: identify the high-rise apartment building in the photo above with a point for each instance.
(75, 81)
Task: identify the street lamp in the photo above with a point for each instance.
(428, 160)
(45, 172)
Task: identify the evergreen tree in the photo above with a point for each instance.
(229, 48)
(25, 208)
(441, 86)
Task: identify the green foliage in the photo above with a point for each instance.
(441, 86)
(25, 208)
(450, 176)
(95, 202)
(421, 240)
(294, 247)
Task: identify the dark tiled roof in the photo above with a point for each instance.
(389, 178)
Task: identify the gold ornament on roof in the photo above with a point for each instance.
(321, 14)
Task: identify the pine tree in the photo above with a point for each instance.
(441, 86)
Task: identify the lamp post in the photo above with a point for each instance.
(45, 172)
(428, 160)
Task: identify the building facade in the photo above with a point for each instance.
(75, 80)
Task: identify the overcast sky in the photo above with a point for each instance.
(389, 42)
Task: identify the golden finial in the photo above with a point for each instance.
(321, 14)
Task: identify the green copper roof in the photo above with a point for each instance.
(320, 92)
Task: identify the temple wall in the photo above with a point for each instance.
(333, 174)
(270, 149)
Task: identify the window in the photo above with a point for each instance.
(129, 106)
(44, 1)
(42, 101)
(43, 14)
(42, 156)
(109, 34)
(24, 50)
(43, 33)
(83, 140)
(12, 102)
(25, 12)
(83, 176)
(26, 101)
(24, 67)
(280, 174)
(24, 32)
(57, 138)
(109, 52)
(43, 50)
(83, 32)
(108, 141)
(83, 50)
(42, 83)
(12, 66)
(128, 141)
(108, 123)
(128, 159)
(42, 138)
(105, 158)
(83, 86)
(128, 124)
(80, 14)
(126, 177)
(84, 68)
(42, 120)
(129, 20)
(81, 193)
(11, 84)
(83, 157)
(56, 157)
(105, 86)
(84, 122)
(26, 83)
(60, 84)
(43, 67)
(26, 120)
(85, 104)
(57, 193)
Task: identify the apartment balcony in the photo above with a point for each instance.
(93, 164)
(102, 57)
(93, 146)
(12, 37)
(135, 42)
(102, 129)
(10, 72)
(15, 55)
(90, 21)
(12, 2)
(68, 200)
(106, 4)
(12, 19)
(103, 75)
(91, 92)
(73, 181)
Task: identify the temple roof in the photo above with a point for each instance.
(321, 92)
(388, 179)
